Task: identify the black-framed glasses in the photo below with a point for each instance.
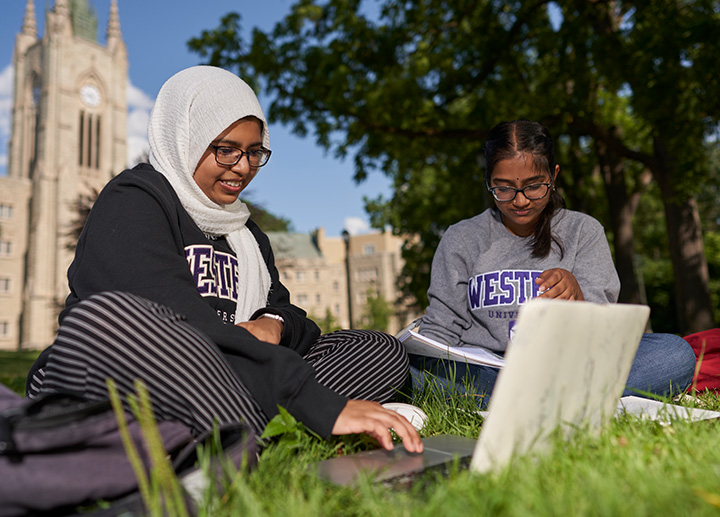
(229, 156)
(531, 192)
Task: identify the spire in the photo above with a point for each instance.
(113, 27)
(29, 27)
(59, 18)
(61, 7)
(84, 20)
(114, 34)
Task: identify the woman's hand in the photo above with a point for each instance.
(560, 284)
(364, 416)
(265, 329)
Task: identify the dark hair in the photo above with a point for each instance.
(524, 137)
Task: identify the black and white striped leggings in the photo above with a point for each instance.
(125, 337)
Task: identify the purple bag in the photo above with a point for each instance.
(59, 452)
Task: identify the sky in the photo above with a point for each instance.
(301, 183)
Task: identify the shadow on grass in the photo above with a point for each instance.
(14, 367)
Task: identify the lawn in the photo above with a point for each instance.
(14, 367)
(633, 468)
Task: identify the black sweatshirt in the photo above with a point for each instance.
(139, 239)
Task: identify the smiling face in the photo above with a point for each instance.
(222, 184)
(520, 216)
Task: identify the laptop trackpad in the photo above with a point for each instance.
(382, 465)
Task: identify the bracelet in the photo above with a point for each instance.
(272, 316)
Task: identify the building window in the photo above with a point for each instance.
(369, 249)
(6, 211)
(317, 299)
(89, 138)
(317, 275)
(367, 274)
(300, 276)
(302, 299)
(5, 248)
(337, 309)
(336, 286)
(4, 329)
(4, 285)
(286, 275)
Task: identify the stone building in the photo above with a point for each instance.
(316, 269)
(68, 138)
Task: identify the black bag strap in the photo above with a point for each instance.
(45, 413)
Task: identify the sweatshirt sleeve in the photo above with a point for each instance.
(446, 316)
(594, 268)
(133, 242)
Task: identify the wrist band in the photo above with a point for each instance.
(272, 316)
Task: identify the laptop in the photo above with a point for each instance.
(564, 370)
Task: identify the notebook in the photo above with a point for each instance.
(564, 370)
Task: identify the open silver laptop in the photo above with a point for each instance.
(565, 370)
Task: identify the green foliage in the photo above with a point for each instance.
(377, 311)
(292, 434)
(266, 221)
(712, 252)
(633, 468)
(412, 90)
(327, 324)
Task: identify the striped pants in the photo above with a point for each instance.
(124, 337)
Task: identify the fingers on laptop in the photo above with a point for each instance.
(362, 416)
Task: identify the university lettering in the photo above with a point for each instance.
(502, 288)
(215, 272)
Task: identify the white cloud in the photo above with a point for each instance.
(138, 99)
(356, 225)
(6, 95)
(139, 106)
(137, 150)
(137, 144)
(7, 76)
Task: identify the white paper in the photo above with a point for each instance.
(662, 412)
(422, 345)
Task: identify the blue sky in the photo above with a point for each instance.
(300, 183)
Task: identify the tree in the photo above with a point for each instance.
(413, 91)
(407, 96)
(327, 324)
(667, 49)
(267, 221)
(377, 312)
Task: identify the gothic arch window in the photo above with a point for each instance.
(89, 128)
(32, 122)
(89, 139)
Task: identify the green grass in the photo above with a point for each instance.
(14, 367)
(634, 468)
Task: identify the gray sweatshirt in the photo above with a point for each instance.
(482, 273)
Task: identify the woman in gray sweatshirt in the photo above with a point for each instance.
(527, 246)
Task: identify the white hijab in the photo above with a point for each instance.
(193, 107)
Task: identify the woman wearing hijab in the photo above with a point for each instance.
(174, 284)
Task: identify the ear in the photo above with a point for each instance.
(557, 171)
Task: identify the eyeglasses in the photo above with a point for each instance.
(229, 156)
(531, 192)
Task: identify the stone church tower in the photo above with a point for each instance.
(68, 139)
